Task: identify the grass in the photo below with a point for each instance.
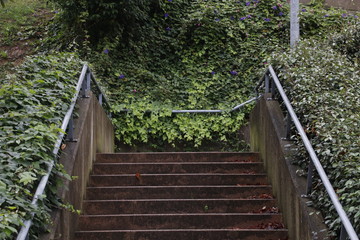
(16, 16)
(21, 31)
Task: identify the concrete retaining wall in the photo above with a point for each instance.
(267, 128)
(95, 134)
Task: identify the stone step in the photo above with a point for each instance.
(185, 234)
(195, 196)
(180, 221)
(178, 167)
(177, 179)
(152, 206)
(177, 157)
(170, 192)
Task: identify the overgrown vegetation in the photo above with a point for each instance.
(325, 96)
(179, 55)
(32, 105)
(183, 55)
(22, 29)
(160, 55)
(347, 42)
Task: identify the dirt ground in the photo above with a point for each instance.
(15, 47)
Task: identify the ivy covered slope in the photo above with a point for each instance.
(199, 55)
(33, 103)
(183, 54)
(324, 85)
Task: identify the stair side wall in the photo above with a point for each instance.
(267, 128)
(95, 134)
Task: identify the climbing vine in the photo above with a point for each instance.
(32, 105)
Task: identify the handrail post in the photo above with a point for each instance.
(100, 99)
(267, 83)
(310, 175)
(85, 86)
(288, 126)
(88, 80)
(70, 134)
(343, 233)
(273, 86)
(83, 89)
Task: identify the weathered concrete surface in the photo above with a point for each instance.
(267, 127)
(95, 134)
(178, 198)
(346, 4)
(353, 5)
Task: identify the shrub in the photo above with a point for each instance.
(323, 87)
(348, 42)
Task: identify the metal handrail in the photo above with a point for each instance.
(270, 85)
(217, 111)
(82, 86)
(208, 111)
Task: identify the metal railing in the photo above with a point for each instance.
(272, 83)
(217, 111)
(208, 111)
(82, 90)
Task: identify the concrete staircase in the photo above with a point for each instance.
(178, 196)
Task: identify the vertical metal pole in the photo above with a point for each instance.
(71, 129)
(83, 89)
(288, 126)
(100, 99)
(294, 23)
(343, 233)
(88, 80)
(310, 177)
(267, 83)
(273, 86)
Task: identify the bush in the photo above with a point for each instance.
(106, 19)
(187, 55)
(348, 42)
(323, 87)
(32, 105)
(200, 56)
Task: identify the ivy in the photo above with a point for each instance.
(32, 105)
(155, 56)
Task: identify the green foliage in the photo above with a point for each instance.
(19, 20)
(325, 94)
(106, 19)
(348, 42)
(163, 55)
(198, 56)
(317, 22)
(160, 55)
(162, 127)
(32, 105)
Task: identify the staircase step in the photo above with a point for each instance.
(178, 167)
(169, 192)
(195, 196)
(152, 206)
(186, 234)
(177, 179)
(173, 221)
(178, 157)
